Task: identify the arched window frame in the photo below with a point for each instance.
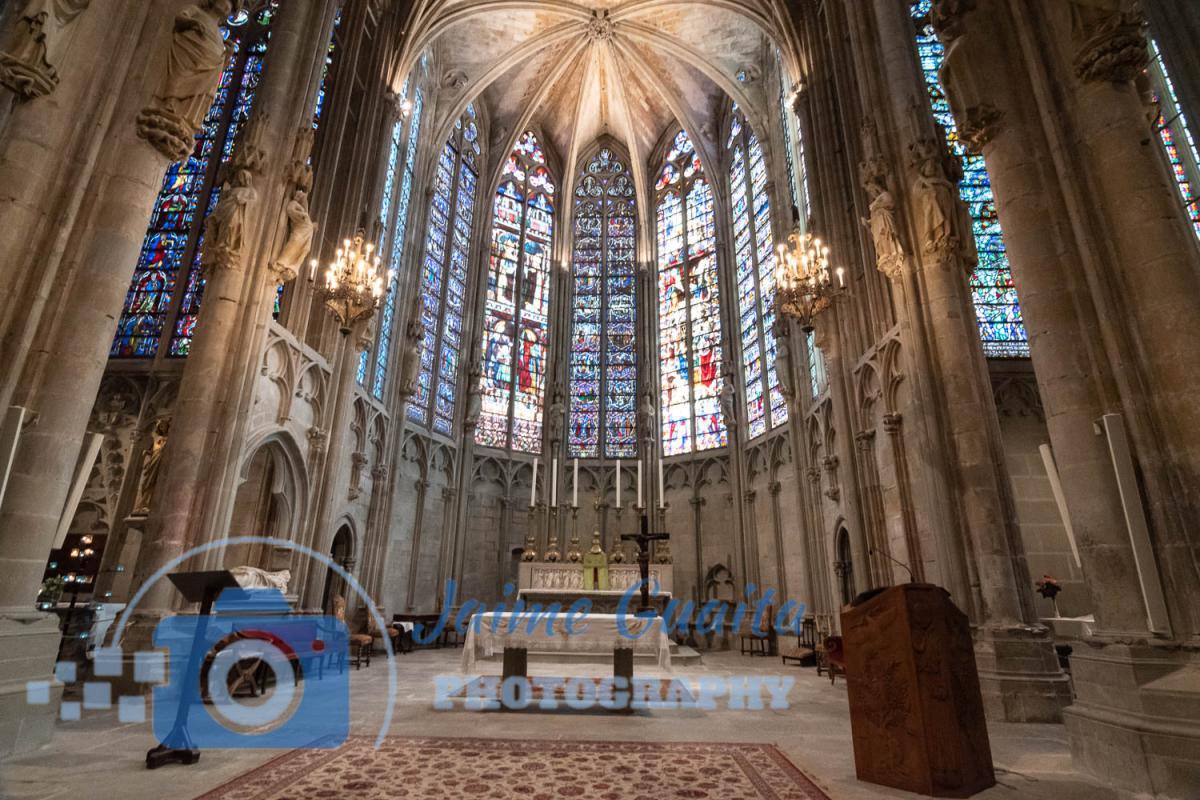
(512, 416)
(394, 211)
(1176, 135)
(1001, 326)
(689, 304)
(602, 414)
(444, 273)
(163, 303)
(754, 274)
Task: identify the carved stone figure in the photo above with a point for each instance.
(783, 360)
(414, 338)
(151, 467)
(942, 218)
(889, 250)
(225, 231)
(729, 401)
(300, 172)
(647, 416)
(189, 82)
(1111, 44)
(474, 396)
(299, 241)
(557, 418)
(256, 578)
(29, 54)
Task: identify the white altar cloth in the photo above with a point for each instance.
(595, 633)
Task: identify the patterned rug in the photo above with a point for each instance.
(513, 769)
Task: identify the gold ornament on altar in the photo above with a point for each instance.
(804, 281)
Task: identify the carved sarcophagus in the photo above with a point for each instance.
(915, 706)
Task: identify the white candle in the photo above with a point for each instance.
(618, 483)
(640, 504)
(575, 487)
(533, 486)
(662, 495)
(554, 485)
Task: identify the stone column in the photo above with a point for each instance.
(1133, 721)
(187, 505)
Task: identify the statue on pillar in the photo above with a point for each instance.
(646, 417)
(944, 223)
(151, 467)
(189, 82)
(298, 245)
(1111, 43)
(414, 339)
(729, 400)
(474, 396)
(28, 55)
(225, 231)
(783, 359)
(557, 418)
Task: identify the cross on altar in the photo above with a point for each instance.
(643, 540)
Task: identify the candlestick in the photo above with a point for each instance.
(554, 485)
(533, 485)
(639, 473)
(575, 487)
(618, 483)
(662, 495)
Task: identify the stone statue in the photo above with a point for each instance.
(300, 171)
(889, 250)
(943, 220)
(414, 339)
(299, 241)
(729, 401)
(225, 231)
(256, 578)
(28, 55)
(783, 360)
(189, 82)
(474, 396)
(558, 415)
(151, 467)
(646, 417)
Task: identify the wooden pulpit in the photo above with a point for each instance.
(915, 707)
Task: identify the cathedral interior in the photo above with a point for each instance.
(410, 308)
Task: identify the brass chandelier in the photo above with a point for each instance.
(804, 281)
(353, 286)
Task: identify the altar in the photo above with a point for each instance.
(565, 582)
(599, 634)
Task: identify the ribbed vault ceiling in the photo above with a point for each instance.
(626, 68)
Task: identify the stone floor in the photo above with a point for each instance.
(98, 756)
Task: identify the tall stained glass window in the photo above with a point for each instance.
(603, 417)
(516, 315)
(1176, 137)
(689, 307)
(444, 275)
(167, 282)
(754, 252)
(1001, 327)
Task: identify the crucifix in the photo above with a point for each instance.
(643, 540)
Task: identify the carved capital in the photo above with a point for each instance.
(697, 502)
(834, 493)
(865, 440)
(317, 440)
(831, 464)
(948, 18)
(1111, 45)
(979, 125)
(774, 487)
(814, 474)
(380, 473)
(421, 484)
(448, 494)
(748, 496)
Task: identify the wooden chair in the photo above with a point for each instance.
(757, 644)
(372, 628)
(804, 652)
(360, 643)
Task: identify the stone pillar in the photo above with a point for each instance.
(188, 502)
(1133, 721)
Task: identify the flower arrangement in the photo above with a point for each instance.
(1049, 587)
(51, 591)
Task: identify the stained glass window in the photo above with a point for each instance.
(793, 148)
(1176, 137)
(1001, 327)
(689, 307)
(602, 406)
(175, 239)
(754, 254)
(516, 315)
(444, 275)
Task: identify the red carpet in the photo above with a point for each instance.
(512, 769)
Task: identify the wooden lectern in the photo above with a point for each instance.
(915, 707)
